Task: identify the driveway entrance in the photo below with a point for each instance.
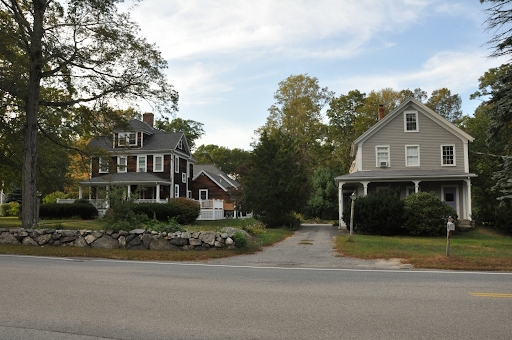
(312, 246)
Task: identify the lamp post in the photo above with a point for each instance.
(353, 198)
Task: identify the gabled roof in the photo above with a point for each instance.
(137, 125)
(421, 108)
(156, 140)
(216, 175)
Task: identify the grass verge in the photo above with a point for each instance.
(270, 237)
(478, 249)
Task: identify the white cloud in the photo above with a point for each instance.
(230, 135)
(456, 70)
(192, 28)
(198, 84)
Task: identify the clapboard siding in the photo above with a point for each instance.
(430, 137)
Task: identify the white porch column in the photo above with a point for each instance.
(158, 192)
(468, 199)
(416, 186)
(340, 205)
(79, 192)
(365, 188)
(128, 191)
(107, 194)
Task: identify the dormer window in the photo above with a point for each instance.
(180, 145)
(127, 139)
(411, 121)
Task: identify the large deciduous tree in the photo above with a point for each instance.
(276, 182)
(193, 130)
(86, 50)
(297, 112)
(228, 160)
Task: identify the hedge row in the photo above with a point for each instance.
(85, 211)
(183, 210)
(383, 213)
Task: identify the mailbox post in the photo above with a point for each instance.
(450, 226)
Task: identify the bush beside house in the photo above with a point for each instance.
(383, 213)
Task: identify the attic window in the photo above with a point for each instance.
(127, 138)
(180, 144)
(411, 121)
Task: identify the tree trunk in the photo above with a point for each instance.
(29, 212)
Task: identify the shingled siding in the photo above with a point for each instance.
(430, 137)
(204, 182)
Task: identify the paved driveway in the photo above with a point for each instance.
(312, 246)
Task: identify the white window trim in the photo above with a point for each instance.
(180, 144)
(103, 170)
(405, 121)
(377, 164)
(176, 164)
(205, 191)
(454, 155)
(183, 177)
(145, 163)
(126, 137)
(119, 166)
(406, 158)
(154, 163)
(176, 190)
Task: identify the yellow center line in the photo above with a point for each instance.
(498, 295)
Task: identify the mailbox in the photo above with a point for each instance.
(450, 226)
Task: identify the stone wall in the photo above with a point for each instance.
(135, 239)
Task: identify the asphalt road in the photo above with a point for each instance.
(49, 298)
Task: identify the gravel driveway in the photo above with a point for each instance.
(312, 246)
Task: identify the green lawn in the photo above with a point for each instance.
(270, 237)
(14, 222)
(478, 249)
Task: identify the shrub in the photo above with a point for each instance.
(380, 213)
(255, 228)
(171, 226)
(160, 212)
(52, 198)
(10, 209)
(289, 221)
(183, 210)
(426, 214)
(240, 239)
(58, 211)
(188, 210)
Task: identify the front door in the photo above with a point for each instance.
(450, 197)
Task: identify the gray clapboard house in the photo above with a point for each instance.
(411, 149)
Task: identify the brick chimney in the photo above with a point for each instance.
(148, 118)
(382, 111)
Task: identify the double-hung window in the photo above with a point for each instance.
(411, 121)
(448, 155)
(141, 164)
(103, 165)
(412, 155)
(176, 164)
(382, 155)
(121, 164)
(127, 139)
(158, 163)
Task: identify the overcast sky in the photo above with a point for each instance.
(226, 57)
